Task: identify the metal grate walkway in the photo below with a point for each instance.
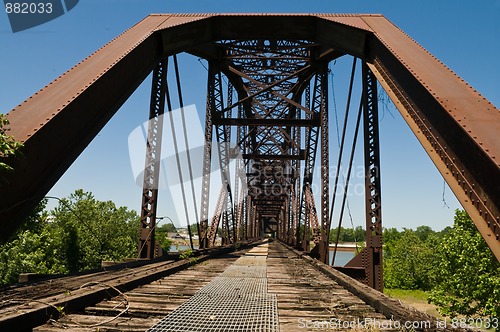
(236, 300)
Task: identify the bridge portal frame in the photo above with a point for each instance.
(456, 125)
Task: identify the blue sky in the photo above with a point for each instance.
(464, 35)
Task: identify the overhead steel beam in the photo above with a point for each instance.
(258, 156)
(267, 122)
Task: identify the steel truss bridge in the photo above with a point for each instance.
(275, 103)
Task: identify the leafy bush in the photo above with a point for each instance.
(469, 273)
(409, 263)
(81, 233)
(8, 145)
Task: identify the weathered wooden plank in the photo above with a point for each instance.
(304, 294)
(78, 323)
(29, 313)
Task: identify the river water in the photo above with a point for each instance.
(342, 257)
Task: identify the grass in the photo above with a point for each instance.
(418, 300)
(414, 298)
(409, 295)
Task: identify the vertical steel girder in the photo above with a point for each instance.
(305, 219)
(225, 236)
(295, 215)
(225, 209)
(207, 155)
(249, 210)
(254, 222)
(367, 266)
(289, 217)
(238, 196)
(240, 214)
(319, 110)
(237, 206)
(373, 201)
(285, 221)
(303, 224)
(301, 212)
(240, 177)
(214, 225)
(294, 196)
(146, 246)
(325, 188)
(223, 133)
(243, 217)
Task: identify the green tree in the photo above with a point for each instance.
(409, 263)
(445, 231)
(162, 238)
(469, 274)
(167, 228)
(8, 145)
(91, 231)
(333, 235)
(423, 232)
(357, 234)
(81, 233)
(32, 249)
(389, 237)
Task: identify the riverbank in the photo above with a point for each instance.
(414, 298)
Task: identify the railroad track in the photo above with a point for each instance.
(214, 290)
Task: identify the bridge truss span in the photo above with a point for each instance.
(267, 87)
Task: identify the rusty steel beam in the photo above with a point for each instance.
(457, 126)
(146, 245)
(299, 203)
(319, 107)
(367, 266)
(267, 122)
(60, 120)
(223, 137)
(373, 200)
(241, 170)
(213, 75)
(214, 225)
(324, 243)
(258, 156)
